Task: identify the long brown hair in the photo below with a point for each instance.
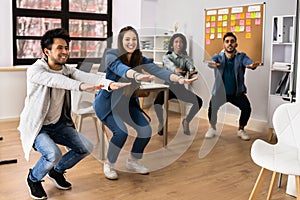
(136, 57)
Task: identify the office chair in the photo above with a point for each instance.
(283, 157)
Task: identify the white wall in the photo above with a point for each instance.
(13, 91)
(6, 52)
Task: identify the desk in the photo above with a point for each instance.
(156, 87)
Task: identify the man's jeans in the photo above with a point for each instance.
(46, 143)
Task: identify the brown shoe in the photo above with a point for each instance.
(186, 128)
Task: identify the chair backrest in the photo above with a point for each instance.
(82, 102)
(286, 121)
(85, 66)
(102, 67)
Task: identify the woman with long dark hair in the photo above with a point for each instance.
(115, 109)
(177, 61)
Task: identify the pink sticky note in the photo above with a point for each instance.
(242, 22)
(248, 28)
(257, 21)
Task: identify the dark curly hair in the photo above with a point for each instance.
(48, 38)
(171, 48)
(229, 34)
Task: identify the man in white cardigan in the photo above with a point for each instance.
(46, 120)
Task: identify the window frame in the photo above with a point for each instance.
(64, 15)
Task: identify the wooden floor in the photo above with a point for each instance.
(226, 173)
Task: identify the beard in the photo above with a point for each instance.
(230, 51)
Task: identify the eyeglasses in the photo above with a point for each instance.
(230, 41)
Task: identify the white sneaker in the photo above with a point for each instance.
(210, 133)
(243, 135)
(133, 165)
(109, 171)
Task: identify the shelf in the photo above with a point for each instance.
(282, 59)
(155, 46)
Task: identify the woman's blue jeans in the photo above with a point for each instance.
(116, 120)
(46, 143)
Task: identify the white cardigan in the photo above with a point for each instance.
(39, 81)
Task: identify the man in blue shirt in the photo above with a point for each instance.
(229, 67)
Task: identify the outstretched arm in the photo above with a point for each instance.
(181, 80)
(112, 86)
(253, 65)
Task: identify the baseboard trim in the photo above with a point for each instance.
(10, 120)
(232, 120)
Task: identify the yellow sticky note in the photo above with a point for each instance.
(212, 30)
(213, 18)
(242, 16)
(225, 17)
(248, 22)
(248, 35)
(232, 17)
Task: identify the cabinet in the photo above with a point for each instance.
(154, 46)
(282, 70)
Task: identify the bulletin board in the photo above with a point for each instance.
(246, 22)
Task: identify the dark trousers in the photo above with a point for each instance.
(241, 101)
(177, 91)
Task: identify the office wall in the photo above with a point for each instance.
(6, 33)
(190, 17)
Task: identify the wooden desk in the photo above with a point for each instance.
(157, 87)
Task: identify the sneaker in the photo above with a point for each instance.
(186, 127)
(161, 132)
(59, 180)
(210, 133)
(243, 135)
(133, 165)
(161, 129)
(36, 189)
(109, 171)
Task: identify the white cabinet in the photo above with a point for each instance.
(282, 70)
(154, 46)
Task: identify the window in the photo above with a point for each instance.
(89, 23)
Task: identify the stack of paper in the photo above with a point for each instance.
(281, 65)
